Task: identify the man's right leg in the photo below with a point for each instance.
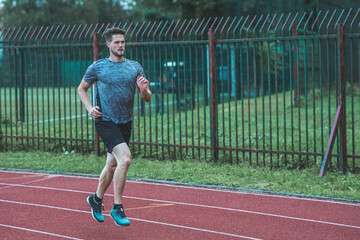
(95, 201)
(106, 175)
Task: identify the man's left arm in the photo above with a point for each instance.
(143, 85)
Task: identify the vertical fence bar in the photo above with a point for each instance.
(340, 118)
(95, 58)
(342, 98)
(213, 105)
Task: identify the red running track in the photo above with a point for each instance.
(47, 206)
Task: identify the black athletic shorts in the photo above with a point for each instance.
(113, 134)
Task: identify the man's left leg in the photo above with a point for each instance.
(123, 158)
(95, 201)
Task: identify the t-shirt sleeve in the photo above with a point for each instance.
(90, 75)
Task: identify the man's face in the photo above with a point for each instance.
(117, 45)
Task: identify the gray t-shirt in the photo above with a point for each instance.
(115, 87)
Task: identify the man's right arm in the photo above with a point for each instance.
(85, 98)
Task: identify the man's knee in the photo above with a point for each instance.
(111, 163)
(126, 159)
(122, 154)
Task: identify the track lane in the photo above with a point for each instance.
(248, 213)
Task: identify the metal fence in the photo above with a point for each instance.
(260, 90)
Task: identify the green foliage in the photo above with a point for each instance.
(57, 12)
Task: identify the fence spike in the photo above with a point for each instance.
(20, 38)
(172, 22)
(27, 33)
(277, 25)
(226, 22)
(11, 34)
(106, 28)
(145, 30)
(74, 26)
(212, 25)
(4, 35)
(47, 36)
(87, 30)
(243, 24)
(172, 33)
(301, 19)
(337, 21)
(346, 18)
(238, 24)
(250, 25)
(77, 31)
(199, 27)
(152, 27)
(271, 23)
(193, 26)
(17, 33)
(256, 25)
(139, 30)
(39, 33)
(33, 33)
(97, 24)
(316, 19)
(286, 21)
(227, 32)
(327, 27)
(182, 25)
(202, 32)
(134, 30)
(327, 12)
(42, 36)
(66, 31)
(292, 23)
(352, 22)
(82, 31)
(187, 28)
(1, 31)
(54, 33)
(307, 22)
(163, 28)
(217, 27)
(102, 28)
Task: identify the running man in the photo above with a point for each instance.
(116, 81)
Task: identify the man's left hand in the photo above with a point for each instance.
(142, 82)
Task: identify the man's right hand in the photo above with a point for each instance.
(95, 112)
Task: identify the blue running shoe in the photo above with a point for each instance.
(96, 208)
(119, 216)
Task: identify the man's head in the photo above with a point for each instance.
(115, 40)
(110, 32)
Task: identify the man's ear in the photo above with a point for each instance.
(107, 43)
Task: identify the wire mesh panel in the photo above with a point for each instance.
(262, 91)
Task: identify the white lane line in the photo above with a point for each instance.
(245, 193)
(135, 219)
(36, 231)
(206, 189)
(194, 205)
(45, 177)
(196, 229)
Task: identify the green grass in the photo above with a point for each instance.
(247, 124)
(304, 182)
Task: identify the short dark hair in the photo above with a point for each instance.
(110, 32)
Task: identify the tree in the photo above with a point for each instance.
(59, 12)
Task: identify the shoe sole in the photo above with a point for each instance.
(92, 211)
(118, 224)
